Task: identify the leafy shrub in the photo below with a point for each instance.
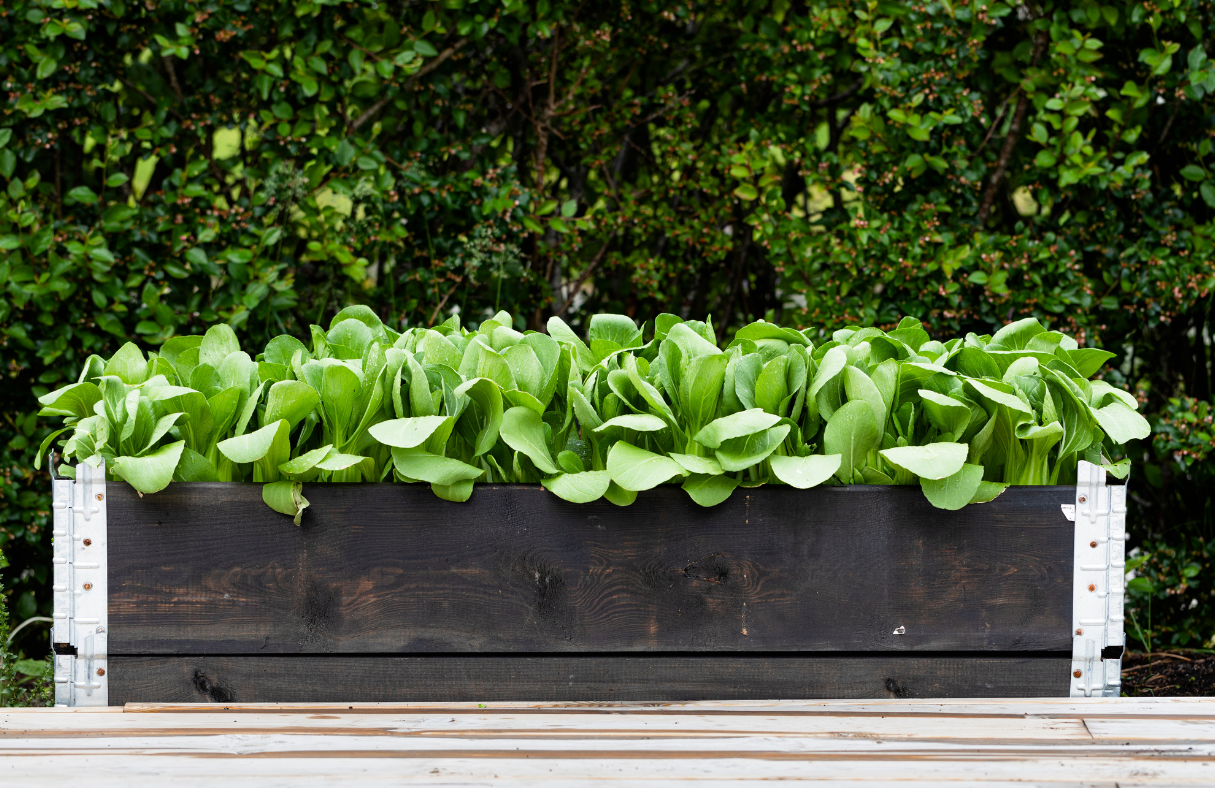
(266, 164)
(1170, 597)
(608, 417)
(35, 687)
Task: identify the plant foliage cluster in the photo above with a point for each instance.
(165, 166)
(607, 417)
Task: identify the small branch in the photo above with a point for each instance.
(1010, 141)
(168, 61)
(999, 117)
(443, 303)
(843, 94)
(585, 274)
(429, 67)
(1169, 124)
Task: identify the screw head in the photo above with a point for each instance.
(1092, 587)
(1077, 674)
(1079, 631)
(88, 586)
(88, 542)
(99, 496)
(1093, 543)
(1082, 499)
(100, 671)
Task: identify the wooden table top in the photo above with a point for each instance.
(1091, 742)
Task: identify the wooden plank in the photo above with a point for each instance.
(481, 679)
(391, 569)
(617, 743)
(1094, 708)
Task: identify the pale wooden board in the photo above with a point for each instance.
(1056, 742)
(1052, 707)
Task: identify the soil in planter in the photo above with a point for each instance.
(1169, 674)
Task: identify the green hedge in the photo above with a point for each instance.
(813, 163)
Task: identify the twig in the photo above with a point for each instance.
(586, 273)
(843, 94)
(429, 67)
(999, 117)
(1010, 141)
(1169, 124)
(443, 303)
(168, 61)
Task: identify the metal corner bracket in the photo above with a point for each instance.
(1099, 561)
(81, 591)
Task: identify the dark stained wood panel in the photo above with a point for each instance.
(391, 569)
(341, 678)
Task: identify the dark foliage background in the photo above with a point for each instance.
(167, 165)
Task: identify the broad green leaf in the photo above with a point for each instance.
(457, 492)
(194, 467)
(954, 491)
(153, 471)
(433, 468)
(406, 433)
(948, 415)
(859, 386)
(639, 422)
(805, 472)
(128, 365)
(1119, 470)
(691, 344)
(831, 365)
(76, 400)
(1088, 360)
(771, 387)
(558, 330)
(697, 465)
(636, 469)
(934, 461)
(488, 399)
(268, 447)
(851, 433)
(619, 496)
(217, 344)
(709, 490)
(1016, 336)
(291, 400)
(303, 468)
(735, 425)
(282, 349)
(286, 498)
(988, 491)
(1121, 423)
(738, 454)
(578, 487)
(991, 394)
(523, 431)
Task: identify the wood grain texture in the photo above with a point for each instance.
(340, 678)
(391, 569)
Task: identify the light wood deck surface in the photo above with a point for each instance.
(1056, 742)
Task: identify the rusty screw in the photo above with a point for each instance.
(100, 671)
(88, 542)
(1092, 587)
(88, 586)
(1082, 499)
(99, 496)
(1093, 543)
(1077, 674)
(1079, 631)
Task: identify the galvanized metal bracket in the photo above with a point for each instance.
(79, 634)
(1098, 592)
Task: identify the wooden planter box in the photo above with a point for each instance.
(387, 593)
